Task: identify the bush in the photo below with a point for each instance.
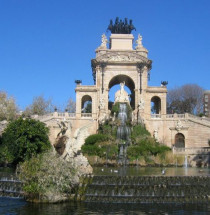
(90, 149)
(108, 130)
(107, 150)
(48, 177)
(92, 139)
(5, 156)
(101, 149)
(139, 131)
(24, 138)
(146, 147)
(115, 109)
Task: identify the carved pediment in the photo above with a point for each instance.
(122, 57)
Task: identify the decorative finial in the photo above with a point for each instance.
(164, 83)
(139, 42)
(78, 81)
(104, 41)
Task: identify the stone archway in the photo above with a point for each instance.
(128, 82)
(86, 104)
(179, 140)
(155, 105)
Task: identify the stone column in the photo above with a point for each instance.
(103, 65)
(78, 105)
(98, 76)
(163, 106)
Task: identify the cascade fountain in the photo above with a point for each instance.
(148, 189)
(10, 187)
(185, 161)
(123, 131)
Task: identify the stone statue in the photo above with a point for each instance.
(101, 103)
(131, 26)
(121, 27)
(122, 85)
(73, 150)
(141, 104)
(121, 95)
(104, 41)
(179, 125)
(155, 134)
(139, 42)
(102, 118)
(63, 128)
(133, 116)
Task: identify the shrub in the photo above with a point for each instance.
(139, 131)
(5, 156)
(48, 177)
(115, 109)
(101, 149)
(146, 147)
(24, 138)
(92, 139)
(134, 152)
(108, 130)
(107, 150)
(90, 150)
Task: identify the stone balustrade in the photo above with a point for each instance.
(181, 116)
(155, 116)
(191, 151)
(86, 114)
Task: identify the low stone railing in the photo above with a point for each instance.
(181, 116)
(69, 115)
(86, 114)
(169, 116)
(65, 116)
(194, 150)
(155, 116)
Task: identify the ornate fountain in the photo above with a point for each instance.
(123, 131)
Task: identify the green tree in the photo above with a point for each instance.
(8, 108)
(24, 138)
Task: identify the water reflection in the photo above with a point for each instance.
(15, 206)
(149, 171)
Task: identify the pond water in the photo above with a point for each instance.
(151, 171)
(16, 206)
(9, 206)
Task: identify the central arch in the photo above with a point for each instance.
(128, 82)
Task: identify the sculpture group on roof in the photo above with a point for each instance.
(121, 27)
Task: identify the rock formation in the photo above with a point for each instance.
(70, 148)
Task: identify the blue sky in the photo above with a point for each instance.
(45, 45)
